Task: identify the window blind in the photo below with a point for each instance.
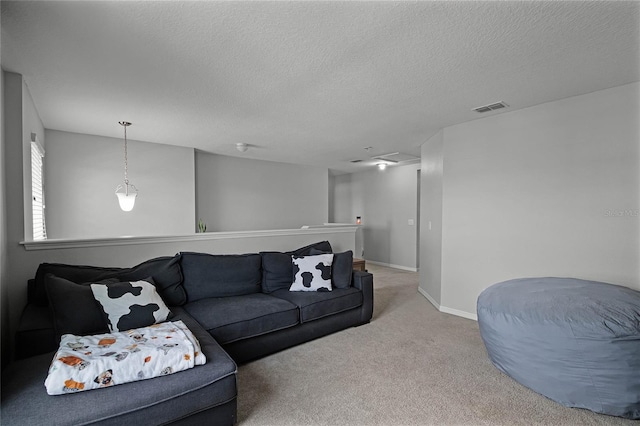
(37, 192)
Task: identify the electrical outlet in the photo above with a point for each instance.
(411, 222)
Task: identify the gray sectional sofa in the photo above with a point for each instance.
(238, 306)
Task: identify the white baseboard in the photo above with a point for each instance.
(429, 298)
(444, 309)
(391, 265)
(463, 314)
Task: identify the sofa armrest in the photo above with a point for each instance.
(363, 281)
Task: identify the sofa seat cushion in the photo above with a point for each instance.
(154, 401)
(314, 305)
(235, 318)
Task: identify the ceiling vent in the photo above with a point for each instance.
(491, 107)
(355, 161)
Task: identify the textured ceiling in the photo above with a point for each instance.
(308, 82)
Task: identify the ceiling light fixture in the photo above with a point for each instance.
(126, 194)
(382, 166)
(242, 147)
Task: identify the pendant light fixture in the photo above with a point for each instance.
(126, 194)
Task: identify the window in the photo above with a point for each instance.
(37, 190)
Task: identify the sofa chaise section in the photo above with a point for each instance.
(190, 397)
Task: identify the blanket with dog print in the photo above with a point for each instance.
(91, 362)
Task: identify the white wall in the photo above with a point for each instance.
(431, 217)
(236, 194)
(81, 175)
(385, 200)
(551, 190)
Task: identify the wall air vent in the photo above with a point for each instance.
(491, 107)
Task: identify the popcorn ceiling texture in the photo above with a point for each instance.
(308, 82)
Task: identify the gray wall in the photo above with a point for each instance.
(4, 294)
(431, 217)
(385, 200)
(20, 119)
(551, 190)
(345, 203)
(81, 175)
(237, 194)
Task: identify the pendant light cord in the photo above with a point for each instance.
(126, 124)
(126, 161)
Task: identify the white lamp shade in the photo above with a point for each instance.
(127, 201)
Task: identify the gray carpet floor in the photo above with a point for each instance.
(412, 365)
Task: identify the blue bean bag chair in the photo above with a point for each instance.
(576, 342)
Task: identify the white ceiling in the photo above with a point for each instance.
(308, 82)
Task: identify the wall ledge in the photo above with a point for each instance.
(124, 241)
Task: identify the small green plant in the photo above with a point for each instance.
(202, 227)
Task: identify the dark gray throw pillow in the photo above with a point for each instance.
(342, 268)
(277, 271)
(73, 273)
(166, 274)
(130, 304)
(75, 311)
(165, 271)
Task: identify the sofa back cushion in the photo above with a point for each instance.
(209, 275)
(74, 273)
(322, 246)
(341, 269)
(165, 272)
(277, 271)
